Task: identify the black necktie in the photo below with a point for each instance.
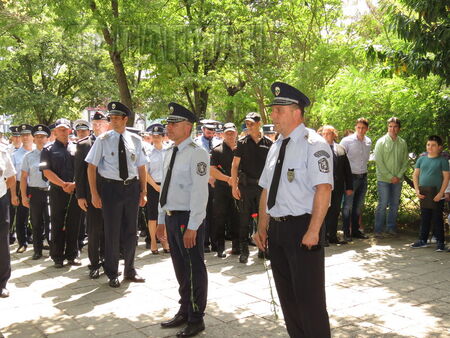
(165, 189)
(123, 168)
(276, 175)
(210, 144)
(334, 156)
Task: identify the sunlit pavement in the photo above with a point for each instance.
(374, 288)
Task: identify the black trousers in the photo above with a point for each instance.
(64, 218)
(209, 221)
(5, 259)
(331, 219)
(189, 266)
(96, 236)
(224, 210)
(248, 205)
(299, 276)
(120, 211)
(21, 216)
(38, 216)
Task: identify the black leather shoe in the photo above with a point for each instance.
(58, 265)
(221, 254)
(46, 247)
(235, 251)
(4, 293)
(336, 241)
(360, 235)
(135, 279)
(114, 282)
(192, 329)
(21, 249)
(94, 274)
(176, 321)
(75, 262)
(36, 256)
(206, 249)
(243, 258)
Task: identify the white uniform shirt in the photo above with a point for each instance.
(155, 164)
(104, 154)
(308, 162)
(188, 188)
(6, 169)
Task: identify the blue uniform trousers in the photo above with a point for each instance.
(21, 217)
(299, 276)
(64, 218)
(5, 259)
(120, 205)
(189, 266)
(38, 215)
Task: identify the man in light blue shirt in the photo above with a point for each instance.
(297, 181)
(357, 147)
(119, 157)
(34, 190)
(22, 212)
(183, 198)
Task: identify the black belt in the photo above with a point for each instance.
(287, 218)
(42, 189)
(174, 212)
(359, 175)
(125, 182)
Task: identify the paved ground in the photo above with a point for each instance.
(373, 289)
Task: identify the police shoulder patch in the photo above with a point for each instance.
(321, 153)
(201, 168)
(193, 145)
(323, 165)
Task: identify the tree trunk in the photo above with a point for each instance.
(122, 82)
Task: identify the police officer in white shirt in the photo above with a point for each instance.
(183, 198)
(119, 156)
(297, 181)
(7, 181)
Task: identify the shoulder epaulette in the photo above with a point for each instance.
(105, 136)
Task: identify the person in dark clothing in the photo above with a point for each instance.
(343, 182)
(248, 163)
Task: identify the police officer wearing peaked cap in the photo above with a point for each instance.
(297, 181)
(94, 217)
(119, 157)
(22, 212)
(183, 199)
(34, 190)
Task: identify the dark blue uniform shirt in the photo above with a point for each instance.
(60, 159)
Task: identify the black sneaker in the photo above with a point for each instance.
(440, 247)
(243, 258)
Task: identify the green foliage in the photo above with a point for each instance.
(420, 104)
(425, 26)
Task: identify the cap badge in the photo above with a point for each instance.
(155, 129)
(40, 128)
(113, 106)
(23, 127)
(171, 109)
(277, 91)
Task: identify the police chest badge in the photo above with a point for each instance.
(290, 175)
(133, 157)
(201, 168)
(323, 165)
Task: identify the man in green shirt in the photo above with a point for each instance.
(391, 159)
